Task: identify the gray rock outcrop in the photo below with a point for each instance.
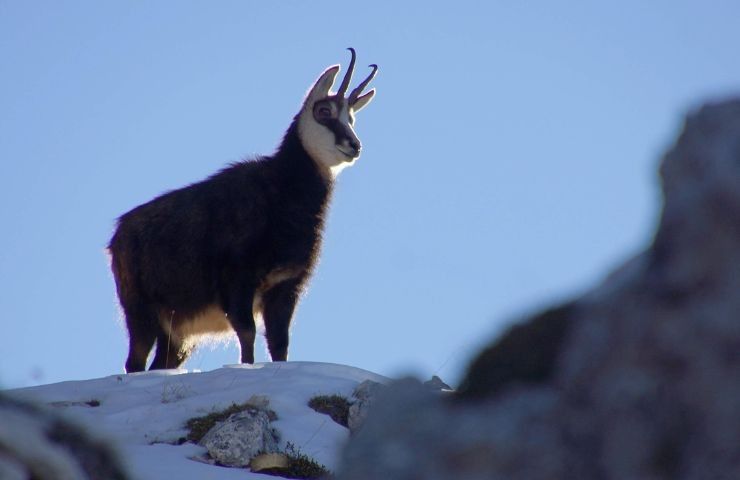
(636, 379)
(242, 436)
(363, 396)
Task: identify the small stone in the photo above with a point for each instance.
(269, 461)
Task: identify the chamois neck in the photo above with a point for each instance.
(295, 159)
(298, 174)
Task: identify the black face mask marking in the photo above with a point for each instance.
(326, 113)
(342, 133)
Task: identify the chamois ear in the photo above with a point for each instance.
(322, 86)
(363, 100)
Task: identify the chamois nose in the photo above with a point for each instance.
(355, 145)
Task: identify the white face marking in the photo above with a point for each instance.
(320, 142)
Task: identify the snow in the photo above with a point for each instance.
(144, 414)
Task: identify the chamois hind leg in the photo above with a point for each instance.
(142, 330)
(278, 305)
(238, 307)
(172, 351)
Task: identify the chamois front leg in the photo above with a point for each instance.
(240, 315)
(278, 305)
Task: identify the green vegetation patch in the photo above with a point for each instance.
(336, 406)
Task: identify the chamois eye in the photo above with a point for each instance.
(324, 112)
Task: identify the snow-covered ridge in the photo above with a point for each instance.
(144, 414)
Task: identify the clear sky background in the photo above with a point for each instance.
(510, 158)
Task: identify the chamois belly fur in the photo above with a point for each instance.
(210, 322)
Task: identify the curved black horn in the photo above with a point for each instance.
(357, 91)
(348, 75)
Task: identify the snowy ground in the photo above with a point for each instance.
(144, 413)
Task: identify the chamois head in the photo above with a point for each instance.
(325, 123)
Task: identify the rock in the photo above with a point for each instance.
(636, 379)
(37, 443)
(269, 461)
(503, 363)
(436, 384)
(364, 396)
(236, 440)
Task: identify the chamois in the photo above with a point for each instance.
(210, 257)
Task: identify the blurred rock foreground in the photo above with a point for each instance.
(637, 379)
(38, 444)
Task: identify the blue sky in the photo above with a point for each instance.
(510, 158)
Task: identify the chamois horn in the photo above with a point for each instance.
(348, 75)
(357, 91)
